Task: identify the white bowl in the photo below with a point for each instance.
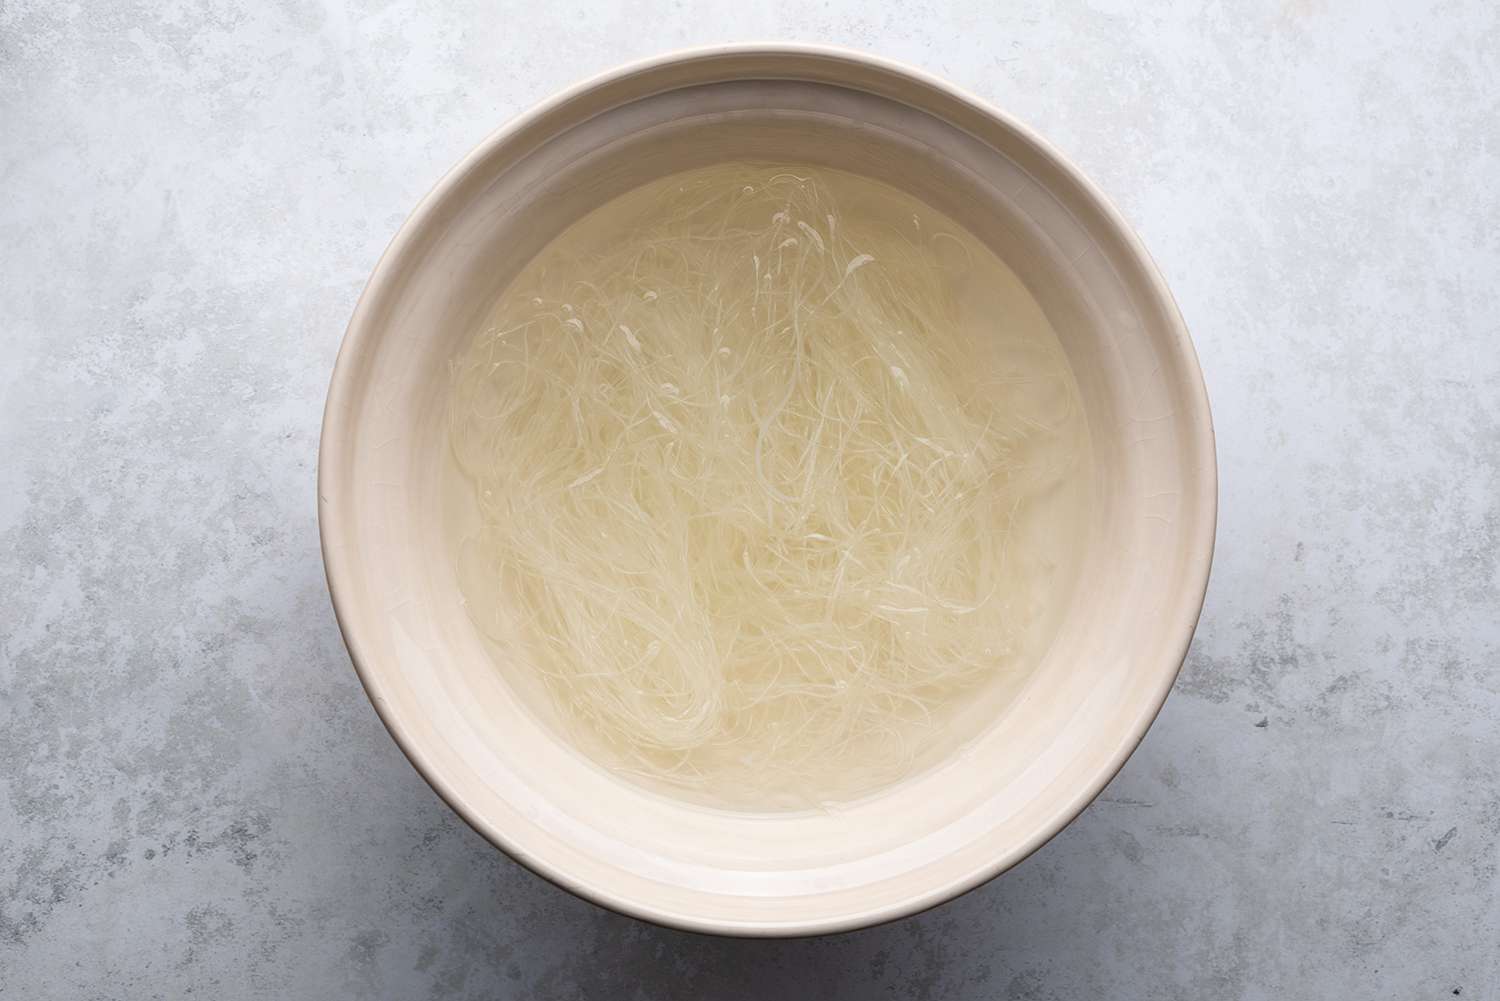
(1036, 765)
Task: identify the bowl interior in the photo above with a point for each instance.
(387, 517)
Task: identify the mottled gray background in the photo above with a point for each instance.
(197, 797)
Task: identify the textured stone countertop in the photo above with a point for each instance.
(195, 795)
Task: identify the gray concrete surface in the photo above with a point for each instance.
(197, 799)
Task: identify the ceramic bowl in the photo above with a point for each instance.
(1033, 768)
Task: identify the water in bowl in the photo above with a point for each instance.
(779, 481)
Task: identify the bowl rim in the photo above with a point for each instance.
(337, 430)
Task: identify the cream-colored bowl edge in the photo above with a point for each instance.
(1178, 627)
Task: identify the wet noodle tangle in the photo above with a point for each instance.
(745, 496)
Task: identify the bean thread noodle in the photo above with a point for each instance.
(749, 486)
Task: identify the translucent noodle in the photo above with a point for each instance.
(746, 494)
